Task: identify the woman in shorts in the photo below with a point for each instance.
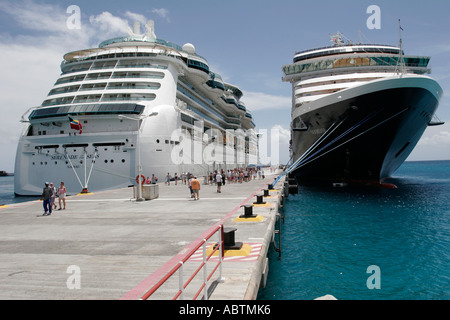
(62, 195)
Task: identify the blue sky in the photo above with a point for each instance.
(246, 41)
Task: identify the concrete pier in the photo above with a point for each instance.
(106, 245)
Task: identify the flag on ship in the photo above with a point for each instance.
(75, 124)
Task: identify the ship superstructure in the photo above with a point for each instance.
(134, 105)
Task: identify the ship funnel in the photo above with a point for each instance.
(136, 28)
(150, 26)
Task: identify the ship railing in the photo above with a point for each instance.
(182, 264)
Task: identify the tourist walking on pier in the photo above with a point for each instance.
(53, 197)
(219, 181)
(46, 196)
(62, 195)
(195, 184)
(190, 178)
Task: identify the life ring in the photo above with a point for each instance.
(142, 177)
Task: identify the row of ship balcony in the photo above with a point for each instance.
(215, 81)
(413, 64)
(67, 68)
(98, 98)
(107, 86)
(110, 75)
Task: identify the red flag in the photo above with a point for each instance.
(75, 124)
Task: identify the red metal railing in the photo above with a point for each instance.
(177, 262)
(206, 277)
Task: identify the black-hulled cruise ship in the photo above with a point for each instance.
(358, 110)
(135, 106)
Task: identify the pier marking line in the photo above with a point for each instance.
(146, 284)
(251, 257)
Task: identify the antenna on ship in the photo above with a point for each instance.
(336, 39)
(400, 68)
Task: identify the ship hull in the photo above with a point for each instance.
(362, 134)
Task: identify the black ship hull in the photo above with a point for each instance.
(362, 134)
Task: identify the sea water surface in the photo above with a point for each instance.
(332, 238)
(7, 192)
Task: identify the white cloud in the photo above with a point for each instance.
(437, 136)
(434, 144)
(109, 24)
(33, 16)
(163, 13)
(263, 101)
(136, 17)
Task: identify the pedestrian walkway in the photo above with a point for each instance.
(105, 244)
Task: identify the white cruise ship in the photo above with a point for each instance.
(358, 110)
(134, 105)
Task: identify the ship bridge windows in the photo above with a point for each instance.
(198, 65)
(90, 109)
(215, 84)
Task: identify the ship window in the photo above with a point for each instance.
(122, 108)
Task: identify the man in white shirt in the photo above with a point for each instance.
(219, 182)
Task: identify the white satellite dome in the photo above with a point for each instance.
(189, 48)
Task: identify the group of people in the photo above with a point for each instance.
(237, 175)
(218, 178)
(49, 194)
(152, 180)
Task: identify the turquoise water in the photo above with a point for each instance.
(7, 192)
(331, 236)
